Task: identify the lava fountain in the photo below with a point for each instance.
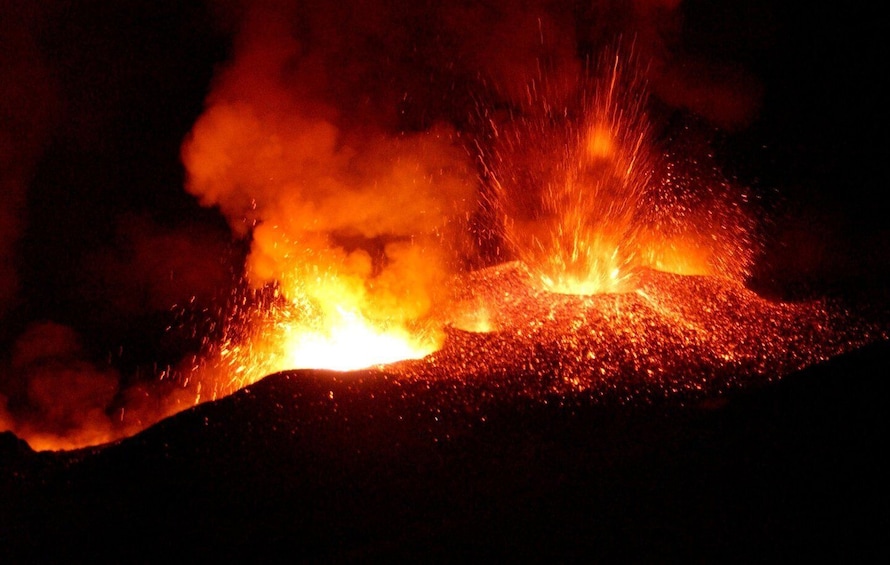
(586, 200)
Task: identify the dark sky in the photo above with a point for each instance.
(101, 239)
(128, 80)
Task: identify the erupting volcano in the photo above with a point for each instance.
(389, 280)
(552, 219)
(626, 258)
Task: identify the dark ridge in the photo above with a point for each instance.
(281, 471)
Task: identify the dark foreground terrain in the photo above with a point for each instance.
(303, 467)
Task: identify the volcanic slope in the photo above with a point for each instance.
(505, 444)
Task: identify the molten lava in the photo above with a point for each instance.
(343, 341)
(351, 344)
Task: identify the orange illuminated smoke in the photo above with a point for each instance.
(352, 227)
(354, 234)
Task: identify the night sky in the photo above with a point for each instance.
(109, 262)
